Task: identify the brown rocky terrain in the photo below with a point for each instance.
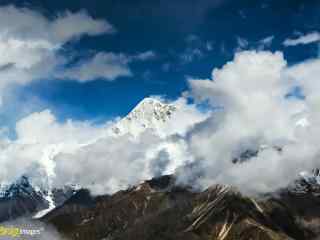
(158, 209)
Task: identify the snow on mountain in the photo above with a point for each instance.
(20, 199)
(148, 114)
(51, 205)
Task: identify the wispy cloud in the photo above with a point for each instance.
(195, 49)
(265, 42)
(145, 56)
(107, 66)
(103, 65)
(242, 44)
(303, 40)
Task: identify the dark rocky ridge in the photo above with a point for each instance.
(21, 199)
(158, 209)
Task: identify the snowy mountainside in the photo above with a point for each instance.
(148, 114)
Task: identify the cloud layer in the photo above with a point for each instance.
(250, 99)
(254, 115)
(93, 156)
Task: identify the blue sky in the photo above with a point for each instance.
(186, 38)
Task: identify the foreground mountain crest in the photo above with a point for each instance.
(159, 209)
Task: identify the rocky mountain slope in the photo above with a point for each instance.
(158, 209)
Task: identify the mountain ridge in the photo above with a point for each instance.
(160, 209)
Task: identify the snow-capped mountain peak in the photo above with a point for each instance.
(21, 186)
(150, 113)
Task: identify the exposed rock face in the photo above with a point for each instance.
(158, 209)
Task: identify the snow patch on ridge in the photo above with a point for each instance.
(49, 198)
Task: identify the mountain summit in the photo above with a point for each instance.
(150, 113)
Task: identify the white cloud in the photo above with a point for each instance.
(254, 113)
(107, 66)
(104, 166)
(71, 25)
(39, 135)
(303, 40)
(27, 24)
(48, 130)
(30, 42)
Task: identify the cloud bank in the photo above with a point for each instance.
(56, 153)
(251, 110)
(254, 114)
